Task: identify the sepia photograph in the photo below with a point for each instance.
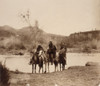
(49, 42)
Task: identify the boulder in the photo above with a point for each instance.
(92, 64)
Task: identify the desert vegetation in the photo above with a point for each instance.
(86, 41)
(28, 38)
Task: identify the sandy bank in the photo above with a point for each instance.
(73, 76)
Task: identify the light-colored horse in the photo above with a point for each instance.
(60, 59)
(39, 59)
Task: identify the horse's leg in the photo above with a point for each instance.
(57, 66)
(48, 67)
(63, 66)
(45, 66)
(39, 69)
(60, 66)
(35, 68)
(50, 56)
(42, 69)
(32, 68)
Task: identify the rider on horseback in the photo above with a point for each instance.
(39, 51)
(52, 48)
(39, 48)
(62, 53)
(52, 51)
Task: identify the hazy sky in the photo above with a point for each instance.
(55, 16)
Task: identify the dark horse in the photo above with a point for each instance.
(51, 52)
(62, 57)
(39, 59)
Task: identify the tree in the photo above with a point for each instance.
(26, 18)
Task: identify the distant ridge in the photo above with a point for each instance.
(30, 36)
(7, 31)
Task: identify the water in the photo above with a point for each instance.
(21, 63)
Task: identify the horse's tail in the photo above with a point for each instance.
(30, 62)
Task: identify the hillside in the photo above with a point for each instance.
(7, 31)
(85, 40)
(33, 35)
(26, 38)
(86, 36)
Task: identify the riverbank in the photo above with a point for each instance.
(81, 50)
(27, 52)
(73, 76)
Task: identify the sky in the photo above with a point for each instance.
(61, 17)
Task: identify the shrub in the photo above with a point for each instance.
(4, 76)
(86, 49)
(93, 44)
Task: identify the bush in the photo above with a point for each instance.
(16, 46)
(94, 46)
(86, 49)
(13, 43)
(94, 43)
(4, 76)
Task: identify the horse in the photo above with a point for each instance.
(51, 55)
(62, 58)
(39, 59)
(56, 62)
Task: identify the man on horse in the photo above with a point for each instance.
(39, 52)
(51, 51)
(39, 48)
(62, 54)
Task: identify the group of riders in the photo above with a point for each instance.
(52, 53)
